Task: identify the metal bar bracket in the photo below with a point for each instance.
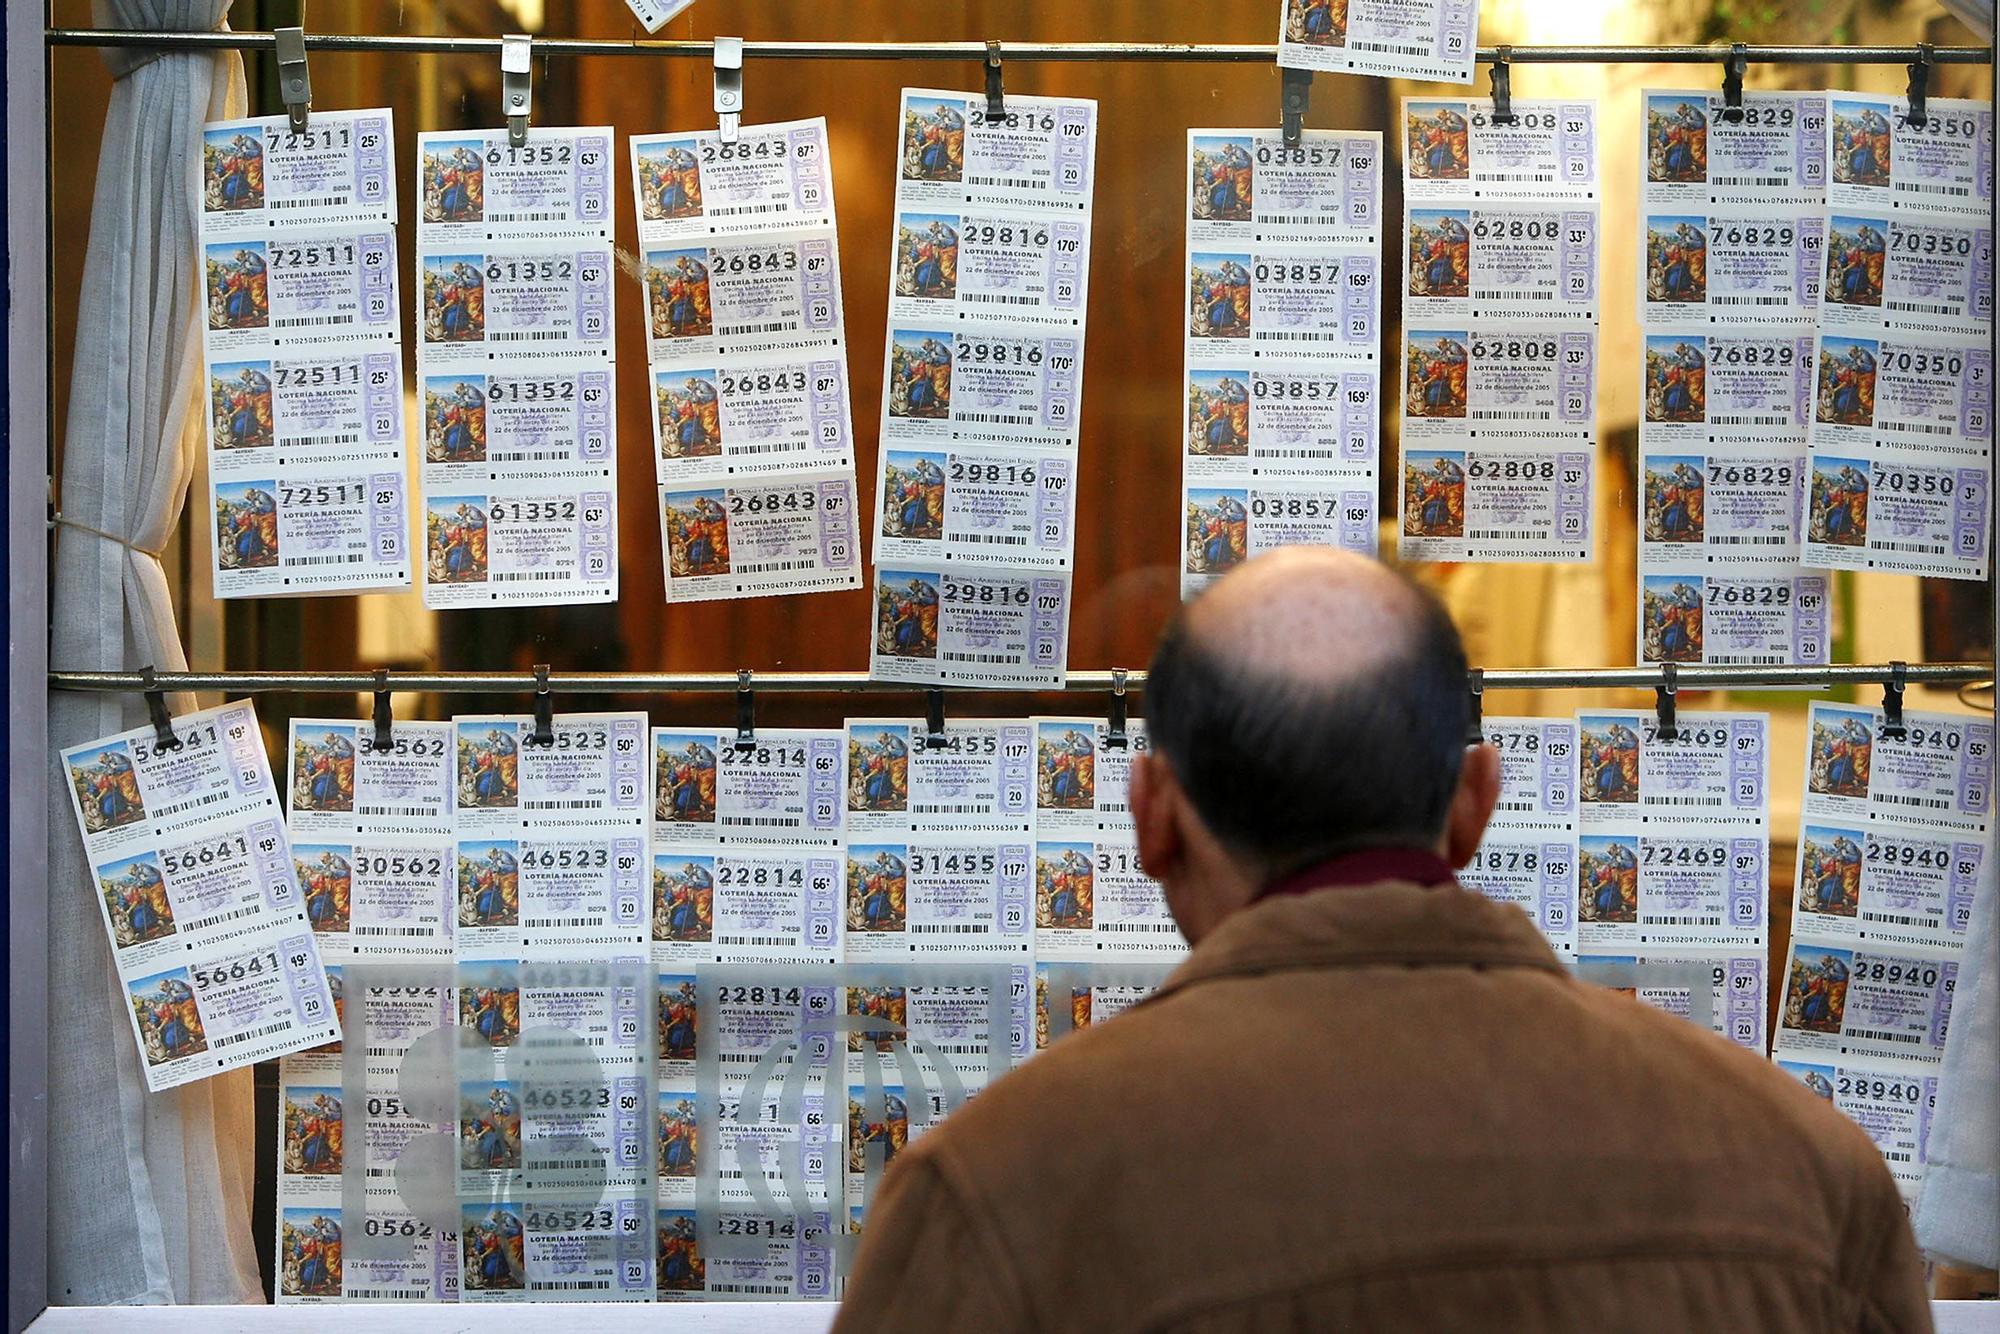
(294, 80)
(1663, 702)
(1920, 85)
(1732, 83)
(1475, 731)
(1294, 97)
(385, 716)
(1115, 733)
(728, 88)
(1503, 86)
(517, 91)
(545, 709)
(996, 92)
(746, 711)
(1893, 726)
(156, 709)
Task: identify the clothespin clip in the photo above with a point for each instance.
(728, 87)
(1663, 702)
(1294, 96)
(1115, 732)
(934, 717)
(294, 82)
(1892, 702)
(517, 95)
(996, 95)
(1732, 83)
(1920, 86)
(746, 711)
(1475, 732)
(1503, 86)
(545, 709)
(385, 719)
(156, 708)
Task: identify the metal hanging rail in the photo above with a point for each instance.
(1169, 52)
(831, 683)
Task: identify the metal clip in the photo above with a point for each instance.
(1475, 731)
(156, 707)
(294, 81)
(1663, 702)
(1893, 726)
(545, 706)
(1503, 86)
(728, 88)
(385, 718)
(934, 718)
(1294, 96)
(1732, 83)
(517, 94)
(1115, 737)
(746, 711)
(996, 95)
(1920, 86)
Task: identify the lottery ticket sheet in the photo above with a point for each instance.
(1528, 854)
(515, 296)
(948, 623)
(1004, 506)
(1245, 186)
(726, 538)
(1305, 419)
(1500, 260)
(1454, 149)
(1921, 273)
(1694, 160)
(1042, 156)
(692, 184)
(1674, 836)
(751, 417)
(1709, 269)
(922, 897)
(528, 543)
(1900, 455)
(1877, 161)
(902, 783)
(194, 880)
(1892, 1102)
(476, 187)
(997, 384)
(523, 424)
(1281, 301)
(1465, 501)
(1885, 1002)
(783, 787)
(1722, 989)
(1391, 39)
(1224, 525)
(300, 344)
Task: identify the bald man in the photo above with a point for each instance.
(1369, 1099)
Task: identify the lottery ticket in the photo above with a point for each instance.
(1097, 991)
(260, 175)
(1714, 269)
(759, 292)
(529, 543)
(1908, 273)
(1269, 421)
(1747, 390)
(326, 287)
(1696, 156)
(693, 184)
(1863, 1000)
(1499, 385)
(1935, 778)
(313, 410)
(961, 1024)
(1002, 506)
(1525, 260)
(514, 297)
(928, 897)
(194, 880)
(1528, 855)
(1247, 186)
(1083, 776)
(1888, 884)
(590, 776)
(769, 902)
(1723, 989)
(903, 783)
(751, 417)
(1713, 774)
(1040, 154)
(477, 186)
(1454, 148)
(1222, 526)
(1510, 502)
(1929, 396)
(1891, 1101)
(1878, 161)
(1681, 884)
(568, 892)
(1723, 513)
(332, 530)
(750, 1256)
(1898, 512)
(969, 265)
(1392, 39)
(784, 786)
(519, 422)
(994, 383)
(376, 897)
(759, 538)
(768, 1074)
(1284, 301)
(956, 624)
(1744, 619)
(557, 1252)
(677, 999)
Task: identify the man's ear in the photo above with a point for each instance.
(1471, 804)
(1155, 798)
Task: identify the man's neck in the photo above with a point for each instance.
(1364, 866)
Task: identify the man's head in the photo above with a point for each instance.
(1311, 703)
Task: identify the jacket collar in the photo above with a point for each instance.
(1366, 866)
(1392, 922)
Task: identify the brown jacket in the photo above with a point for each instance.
(1388, 1107)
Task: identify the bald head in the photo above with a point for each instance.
(1312, 702)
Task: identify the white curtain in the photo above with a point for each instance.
(149, 1195)
(1958, 1211)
